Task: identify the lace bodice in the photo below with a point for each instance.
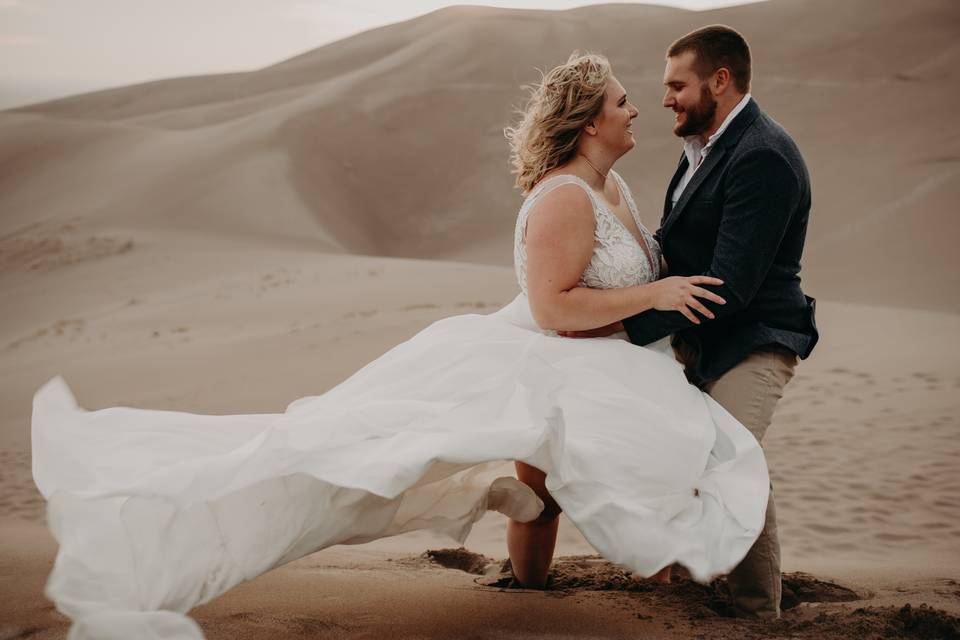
(618, 260)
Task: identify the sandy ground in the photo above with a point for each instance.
(863, 450)
(227, 244)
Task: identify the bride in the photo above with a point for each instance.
(158, 511)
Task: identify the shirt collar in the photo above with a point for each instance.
(694, 142)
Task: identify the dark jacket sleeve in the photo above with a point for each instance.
(763, 194)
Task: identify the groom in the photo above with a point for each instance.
(736, 209)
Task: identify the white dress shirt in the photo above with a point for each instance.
(696, 151)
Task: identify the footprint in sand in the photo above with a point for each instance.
(279, 625)
(461, 559)
(419, 307)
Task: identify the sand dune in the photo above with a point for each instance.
(389, 143)
(226, 244)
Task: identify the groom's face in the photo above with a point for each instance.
(688, 96)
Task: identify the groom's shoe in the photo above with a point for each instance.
(754, 597)
(514, 499)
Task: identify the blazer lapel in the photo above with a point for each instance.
(709, 163)
(728, 139)
(668, 200)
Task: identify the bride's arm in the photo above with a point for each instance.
(559, 241)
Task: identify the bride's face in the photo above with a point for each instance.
(613, 125)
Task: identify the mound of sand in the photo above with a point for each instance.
(390, 142)
(227, 244)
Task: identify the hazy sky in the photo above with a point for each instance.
(52, 48)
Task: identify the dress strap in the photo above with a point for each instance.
(551, 183)
(646, 239)
(546, 186)
(631, 203)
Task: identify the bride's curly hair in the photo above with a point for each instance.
(560, 105)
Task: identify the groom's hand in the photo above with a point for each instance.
(599, 332)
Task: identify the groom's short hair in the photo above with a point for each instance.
(714, 47)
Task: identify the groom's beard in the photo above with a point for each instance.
(700, 117)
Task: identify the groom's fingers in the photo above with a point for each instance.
(709, 295)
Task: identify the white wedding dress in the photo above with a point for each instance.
(158, 511)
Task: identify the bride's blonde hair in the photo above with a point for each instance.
(560, 105)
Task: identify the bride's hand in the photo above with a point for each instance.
(599, 332)
(680, 293)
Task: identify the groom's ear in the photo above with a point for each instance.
(720, 80)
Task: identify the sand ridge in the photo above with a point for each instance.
(331, 135)
(227, 244)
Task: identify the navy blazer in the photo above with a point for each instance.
(742, 218)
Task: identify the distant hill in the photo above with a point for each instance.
(390, 142)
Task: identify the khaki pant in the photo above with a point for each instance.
(750, 392)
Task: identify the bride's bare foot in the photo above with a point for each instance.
(664, 575)
(660, 577)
